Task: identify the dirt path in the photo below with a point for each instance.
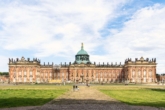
(88, 98)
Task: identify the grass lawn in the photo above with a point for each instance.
(29, 95)
(136, 95)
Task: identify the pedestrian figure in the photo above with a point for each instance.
(73, 87)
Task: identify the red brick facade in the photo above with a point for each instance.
(26, 71)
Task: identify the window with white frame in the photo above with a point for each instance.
(139, 73)
(96, 75)
(144, 73)
(14, 80)
(31, 79)
(24, 72)
(133, 73)
(20, 79)
(150, 73)
(38, 80)
(14, 74)
(31, 73)
(24, 79)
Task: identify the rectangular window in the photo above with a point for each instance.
(31, 73)
(144, 73)
(20, 79)
(30, 79)
(14, 80)
(24, 79)
(133, 73)
(150, 73)
(139, 73)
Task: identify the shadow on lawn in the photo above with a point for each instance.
(17, 102)
(72, 101)
(158, 90)
(82, 101)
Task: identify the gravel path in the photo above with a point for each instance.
(86, 98)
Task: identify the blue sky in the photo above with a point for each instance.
(111, 30)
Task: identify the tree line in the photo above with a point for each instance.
(4, 73)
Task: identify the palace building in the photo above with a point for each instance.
(82, 70)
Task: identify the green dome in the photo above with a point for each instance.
(82, 52)
(82, 56)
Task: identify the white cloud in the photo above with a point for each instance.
(3, 64)
(142, 35)
(56, 28)
(52, 27)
